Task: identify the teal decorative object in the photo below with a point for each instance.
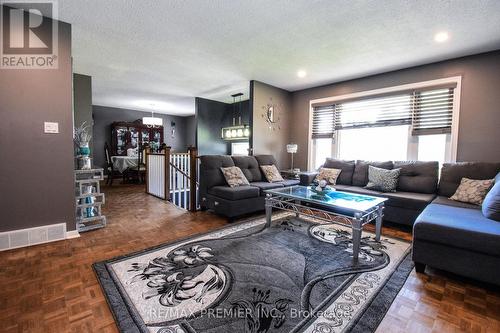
(84, 150)
(82, 139)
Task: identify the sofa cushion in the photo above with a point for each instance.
(491, 204)
(266, 160)
(407, 200)
(410, 200)
(357, 189)
(458, 227)
(234, 193)
(210, 173)
(290, 182)
(347, 167)
(360, 175)
(382, 180)
(262, 186)
(417, 176)
(249, 166)
(446, 201)
(452, 174)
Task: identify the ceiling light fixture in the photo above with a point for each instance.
(441, 37)
(152, 122)
(301, 73)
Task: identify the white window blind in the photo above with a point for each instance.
(427, 111)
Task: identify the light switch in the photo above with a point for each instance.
(51, 127)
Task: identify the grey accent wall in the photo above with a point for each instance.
(479, 123)
(82, 102)
(36, 169)
(211, 117)
(264, 139)
(104, 116)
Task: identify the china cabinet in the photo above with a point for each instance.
(126, 135)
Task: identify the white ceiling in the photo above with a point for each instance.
(168, 52)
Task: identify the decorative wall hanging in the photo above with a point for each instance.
(272, 114)
(172, 129)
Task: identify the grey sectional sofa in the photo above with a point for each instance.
(215, 194)
(416, 188)
(456, 236)
(447, 234)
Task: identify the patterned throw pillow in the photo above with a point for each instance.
(271, 173)
(472, 190)
(328, 174)
(382, 180)
(234, 176)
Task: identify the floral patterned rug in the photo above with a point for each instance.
(296, 276)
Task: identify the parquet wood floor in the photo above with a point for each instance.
(52, 288)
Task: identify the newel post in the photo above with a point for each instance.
(193, 177)
(165, 150)
(147, 151)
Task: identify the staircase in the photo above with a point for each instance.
(173, 177)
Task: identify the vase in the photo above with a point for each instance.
(84, 150)
(84, 160)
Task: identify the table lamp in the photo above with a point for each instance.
(292, 149)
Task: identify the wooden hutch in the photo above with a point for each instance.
(126, 135)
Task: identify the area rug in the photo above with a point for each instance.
(295, 276)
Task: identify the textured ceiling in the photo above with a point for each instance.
(168, 52)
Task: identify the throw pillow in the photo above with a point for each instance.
(491, 203)
(330, 175)
(234, 176)
(472, 190)
(271, 173)
(382, 179)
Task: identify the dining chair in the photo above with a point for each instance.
(110, 170)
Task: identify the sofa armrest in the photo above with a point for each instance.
(306, 178)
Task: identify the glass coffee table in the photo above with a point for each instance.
(344, 208)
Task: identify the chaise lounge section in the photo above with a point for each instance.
(455, 236)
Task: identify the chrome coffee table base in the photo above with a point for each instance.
(355, 222)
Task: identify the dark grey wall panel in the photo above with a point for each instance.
(104, 116)
(211, 117)
(82, 101)
(479, 121)
(36, 169)
(190, 131)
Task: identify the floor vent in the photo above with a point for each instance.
(32, 236)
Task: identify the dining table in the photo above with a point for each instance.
(122, 163)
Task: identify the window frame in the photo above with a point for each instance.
(451, 149)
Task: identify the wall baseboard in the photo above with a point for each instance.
(33, 236)
(72, 234)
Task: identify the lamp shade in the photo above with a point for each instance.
(153, 121)
(291, 148)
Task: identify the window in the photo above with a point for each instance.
(240, 148)
(406, 124)
(374, 144)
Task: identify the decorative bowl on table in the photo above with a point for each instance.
(321, 188)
